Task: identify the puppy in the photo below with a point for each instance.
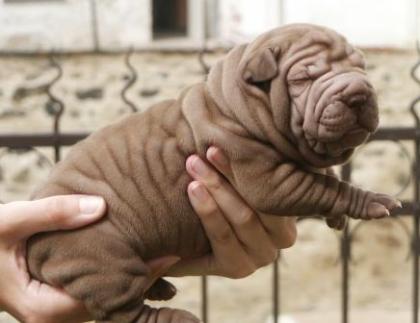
(283, 108)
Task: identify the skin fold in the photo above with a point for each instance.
(283, 109)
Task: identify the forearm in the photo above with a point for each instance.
(290, 190)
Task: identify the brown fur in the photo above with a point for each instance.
(280, 148)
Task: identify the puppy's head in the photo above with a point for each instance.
(315, 84)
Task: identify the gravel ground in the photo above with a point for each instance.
(310, 274)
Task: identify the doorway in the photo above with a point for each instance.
(170, 18)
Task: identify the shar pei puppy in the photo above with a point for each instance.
(283, 108)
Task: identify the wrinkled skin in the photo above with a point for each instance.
(333, 105)
(283, 109)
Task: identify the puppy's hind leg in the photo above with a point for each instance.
(96, 266)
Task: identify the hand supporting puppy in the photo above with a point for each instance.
(25, 298)
(241, 240)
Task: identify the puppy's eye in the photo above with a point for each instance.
(300, 81)
(263, 86)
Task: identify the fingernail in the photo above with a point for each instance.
(90, 204)
(198, 166)
(216, 156)
(199, 192)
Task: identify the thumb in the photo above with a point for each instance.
(19, 220)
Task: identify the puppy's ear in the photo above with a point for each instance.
(263, 66)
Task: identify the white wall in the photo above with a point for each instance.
(67, 25)
(241, 20)
(29, 26)
(123, 23)
(373, 23)
(364, 22)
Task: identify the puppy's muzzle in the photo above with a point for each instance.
(351, 110)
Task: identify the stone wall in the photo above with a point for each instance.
(66, 25)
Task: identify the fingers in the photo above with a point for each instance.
(216, 157)
(230, 255)
(232, 227)
(244, 220)
(282, 229)
(19, 220)
(44, 303)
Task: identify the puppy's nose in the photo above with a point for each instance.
(359, 97)
(357, 101)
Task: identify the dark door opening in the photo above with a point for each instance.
(169, 18)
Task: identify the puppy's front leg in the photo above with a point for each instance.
(288, 189)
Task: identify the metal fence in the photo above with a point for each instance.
(411, 208)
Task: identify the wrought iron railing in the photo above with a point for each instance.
(411, 207)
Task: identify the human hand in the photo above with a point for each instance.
(241, 240)
(27, 299)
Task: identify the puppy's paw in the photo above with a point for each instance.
(337, 222)
(379, 206)
(161, 290)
